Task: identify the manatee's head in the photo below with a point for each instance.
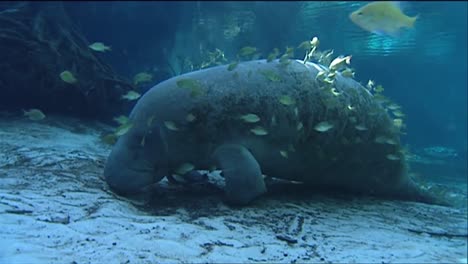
(137, 160)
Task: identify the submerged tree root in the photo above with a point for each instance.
(38, 42)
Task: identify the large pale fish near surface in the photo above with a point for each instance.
(383, 18)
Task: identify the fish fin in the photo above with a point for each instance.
(411, 21)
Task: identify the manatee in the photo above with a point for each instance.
(194, 119)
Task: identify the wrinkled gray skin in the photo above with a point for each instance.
(218, 137)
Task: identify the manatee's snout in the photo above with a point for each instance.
(123, 174)
(126, 181)
(132, 166)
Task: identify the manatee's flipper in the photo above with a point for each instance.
(244, 181)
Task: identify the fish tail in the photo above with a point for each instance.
(411, 21)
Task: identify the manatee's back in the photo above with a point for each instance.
(216, 97)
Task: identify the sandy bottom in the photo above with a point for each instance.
(56, 208)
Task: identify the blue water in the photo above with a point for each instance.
(424, 69)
